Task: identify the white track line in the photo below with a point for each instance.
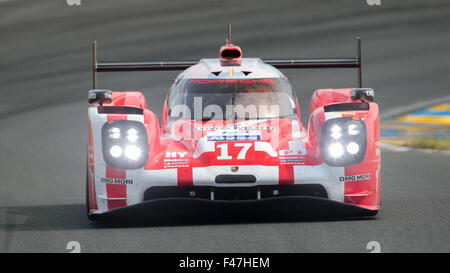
(409, 108)
(395, 148)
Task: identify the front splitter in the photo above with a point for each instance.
(171, 211)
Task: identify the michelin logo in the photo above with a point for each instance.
(354, 177)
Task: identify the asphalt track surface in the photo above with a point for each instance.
(45, 73)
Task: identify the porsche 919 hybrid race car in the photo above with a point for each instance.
(230, 132)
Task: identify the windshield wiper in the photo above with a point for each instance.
(206, 119)
(233, 100)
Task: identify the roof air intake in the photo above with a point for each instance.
(230, 55)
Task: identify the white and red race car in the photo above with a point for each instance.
(231, 133)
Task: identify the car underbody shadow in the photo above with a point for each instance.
(178, 212)
(172, 212)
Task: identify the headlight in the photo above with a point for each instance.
(336, 150)
(132, 135)
(115, 151)
(336, 131)
(343, 141)
(132, 152)
(114, 132)
(125, 144)
(352, 148)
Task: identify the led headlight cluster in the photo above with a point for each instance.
(125, 144)
(343, 141)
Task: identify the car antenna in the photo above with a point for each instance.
(228, 40)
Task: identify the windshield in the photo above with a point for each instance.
(231, 99)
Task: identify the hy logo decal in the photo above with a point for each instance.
(175, 154)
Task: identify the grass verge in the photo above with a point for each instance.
(433, 143)
(430, 143)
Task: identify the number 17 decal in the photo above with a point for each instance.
(224, 150)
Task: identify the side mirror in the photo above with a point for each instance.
(362, 94)
(100, 96)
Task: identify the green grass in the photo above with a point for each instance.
(429, 143)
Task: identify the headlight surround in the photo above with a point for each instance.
(125, 144)
(343, 141)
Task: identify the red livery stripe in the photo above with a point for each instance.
(286, 174)
(185, 176)
(116, 190)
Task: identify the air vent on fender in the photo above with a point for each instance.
(357, 106)
(120, 110)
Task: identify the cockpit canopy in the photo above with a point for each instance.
(231, 99)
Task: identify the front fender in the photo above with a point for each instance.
(362, 181)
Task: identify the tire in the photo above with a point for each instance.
(91, 217)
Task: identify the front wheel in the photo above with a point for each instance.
(91, 217)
